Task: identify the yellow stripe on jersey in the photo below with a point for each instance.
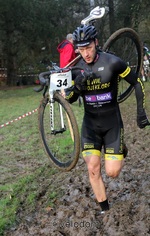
(143, 90)
(114, 157)
(125, 73)
(91, 152)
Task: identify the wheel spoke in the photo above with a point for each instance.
(63, 143)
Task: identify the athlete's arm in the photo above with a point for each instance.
(127, 74)
(133, 79)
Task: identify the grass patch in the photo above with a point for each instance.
(27, 175)
(11, 200)
(23, 194)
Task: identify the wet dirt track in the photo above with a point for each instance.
(77, 212)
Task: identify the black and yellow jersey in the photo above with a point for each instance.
(100, 93)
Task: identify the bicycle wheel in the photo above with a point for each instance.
(61, 145)
(125, 43)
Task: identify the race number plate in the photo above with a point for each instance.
(60, 81)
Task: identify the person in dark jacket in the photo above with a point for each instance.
(66, 50)
(97, 83)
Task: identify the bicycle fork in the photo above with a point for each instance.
(52, 119)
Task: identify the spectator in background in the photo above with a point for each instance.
(66, 50)
(146, 63)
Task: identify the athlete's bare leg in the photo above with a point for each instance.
(113, 167)
(94, 169)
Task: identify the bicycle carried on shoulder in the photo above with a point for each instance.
(57, 123)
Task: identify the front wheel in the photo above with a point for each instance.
(63, 143)
(125, 43)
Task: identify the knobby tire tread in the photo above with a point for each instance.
(58, 98)
(127, 32)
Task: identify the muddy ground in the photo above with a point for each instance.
(77, 212)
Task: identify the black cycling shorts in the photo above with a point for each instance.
(104, 130)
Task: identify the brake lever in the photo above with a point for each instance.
(39, 89)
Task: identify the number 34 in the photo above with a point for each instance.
(62, 83)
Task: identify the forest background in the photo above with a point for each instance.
(31, 30)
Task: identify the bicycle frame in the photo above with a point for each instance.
(52, 125)
(58, 81)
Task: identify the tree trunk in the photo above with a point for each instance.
(11, 71)
(10, 59)
(111, 16)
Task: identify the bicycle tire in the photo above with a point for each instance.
(125, 43)
(60, 148)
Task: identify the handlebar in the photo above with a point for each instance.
(44, 77)
(39, 89)
(43, 81)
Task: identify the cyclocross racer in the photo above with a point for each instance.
(102, 123)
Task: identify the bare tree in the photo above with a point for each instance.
(111, 16)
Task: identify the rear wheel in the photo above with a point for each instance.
(125, 43)
(61, 144)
